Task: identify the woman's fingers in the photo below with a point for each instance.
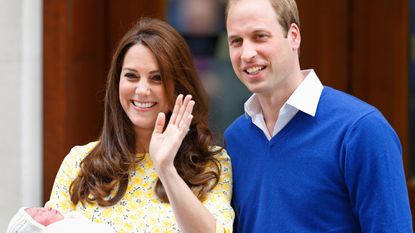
(187, 116)
(182, 110)
(176, 109)
(161, 119)
(164, 145)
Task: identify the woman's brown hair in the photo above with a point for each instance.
(104, 173)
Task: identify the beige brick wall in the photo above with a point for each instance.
(20, 106)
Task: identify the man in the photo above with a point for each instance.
(305, 157)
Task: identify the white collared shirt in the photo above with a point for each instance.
(305, 98)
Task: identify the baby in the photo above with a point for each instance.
(48, 220)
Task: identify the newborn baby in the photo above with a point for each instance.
(48, 220)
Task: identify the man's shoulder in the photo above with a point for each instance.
(339, 108)
(342, 102)
(238, 124)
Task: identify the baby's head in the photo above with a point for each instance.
(33, 219)
(44, 215)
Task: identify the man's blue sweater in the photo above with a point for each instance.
(339, 171)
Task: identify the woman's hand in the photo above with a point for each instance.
(164, 145)
(191, 214)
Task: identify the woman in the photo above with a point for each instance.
(144, 176)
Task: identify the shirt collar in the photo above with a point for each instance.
(252, 106)
(305, 97)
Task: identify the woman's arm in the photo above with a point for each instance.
(191, 214)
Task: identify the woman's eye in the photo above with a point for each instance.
(156, 78)
(130, 75)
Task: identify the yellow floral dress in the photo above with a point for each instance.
(140, 210)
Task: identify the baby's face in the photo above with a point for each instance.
(43, 215)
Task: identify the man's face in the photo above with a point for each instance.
(262, 56)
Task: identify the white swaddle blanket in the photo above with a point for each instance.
(77, 223)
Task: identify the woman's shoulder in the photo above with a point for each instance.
(79, 152)
(221, 154)
(82, 149)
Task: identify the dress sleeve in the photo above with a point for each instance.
(60, 197)
(219, 198)
(374, 175)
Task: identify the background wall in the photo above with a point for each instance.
(20, 103)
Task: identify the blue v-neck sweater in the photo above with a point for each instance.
(340, 171)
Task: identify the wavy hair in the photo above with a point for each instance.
(104, 173)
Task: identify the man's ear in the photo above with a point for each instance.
(294, 36)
